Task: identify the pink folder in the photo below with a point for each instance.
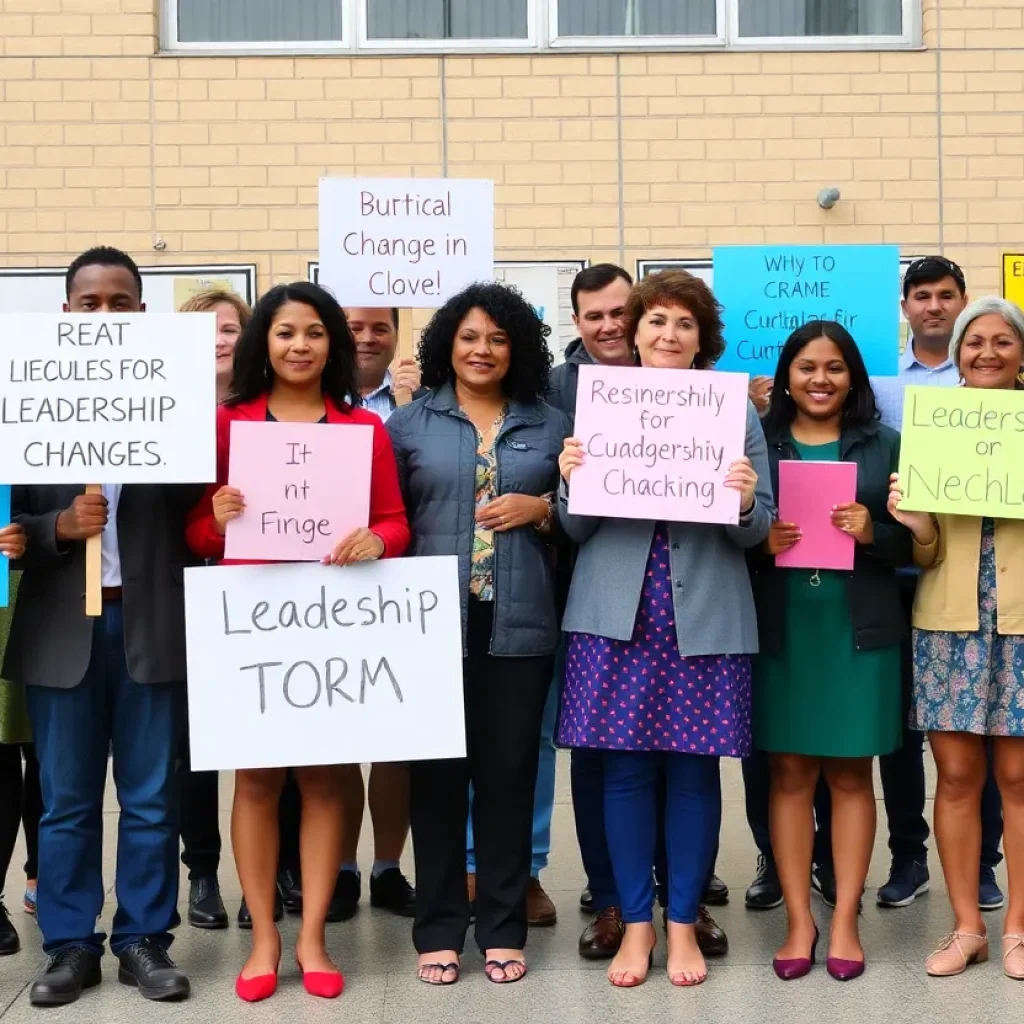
(807, 493)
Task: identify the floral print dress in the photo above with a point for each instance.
(641, 694)
(971, 682)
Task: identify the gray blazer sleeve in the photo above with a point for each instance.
(579, 529)
(41, 548)
(754, 530)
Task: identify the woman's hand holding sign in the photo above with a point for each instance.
(228, 504)
(919, 523)
(571, 457)
(361, 545)
(12, 541)
(854, 519)
(781, 537)
(743, 478)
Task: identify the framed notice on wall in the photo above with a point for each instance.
(164, 289)
(547, 284)
(1013, 277)
(702, 268)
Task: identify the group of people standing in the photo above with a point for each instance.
(651, 649)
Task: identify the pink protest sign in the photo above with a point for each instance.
(306, 486)
(807, 493)
(658, 443)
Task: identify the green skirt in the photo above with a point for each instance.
(821, 696)
(14, 727)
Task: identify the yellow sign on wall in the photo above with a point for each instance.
(962, 452)
(1013, 277)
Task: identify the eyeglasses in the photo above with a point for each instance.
(932, 261)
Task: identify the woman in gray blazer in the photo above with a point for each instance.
(661, 627)
(478, 466)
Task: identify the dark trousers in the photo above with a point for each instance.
(504, 704)
(21, 803)
(199, 808)
(74, 732)
(289, 817)
(637, 784)
(587, 778)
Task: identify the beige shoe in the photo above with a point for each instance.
(1013, 956)
(956, 953)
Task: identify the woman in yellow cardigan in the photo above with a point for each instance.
(969, 663)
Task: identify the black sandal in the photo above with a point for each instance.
(503, 966)
(444, 969)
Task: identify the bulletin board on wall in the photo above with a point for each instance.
(164, 289)
(703, 268)
(546, 284)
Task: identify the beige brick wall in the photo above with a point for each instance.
(103, 139)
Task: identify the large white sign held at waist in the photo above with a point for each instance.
(305, 664)
(407, 243)
(114, 398)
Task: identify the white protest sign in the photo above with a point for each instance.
(126, 398)
(408, 243)
(305, 664)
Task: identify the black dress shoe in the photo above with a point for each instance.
(245, 918)
(587, 901)
(146, 966)
(765, 891)
(391, 890)
(603, 936)
(9, 941)
(205, 906)
(823, 882)
(289, 884)
(345, 901)
(67, 973)
(716, 893)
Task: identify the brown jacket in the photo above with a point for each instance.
(947, 595)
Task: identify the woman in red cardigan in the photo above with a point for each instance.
(295, 363)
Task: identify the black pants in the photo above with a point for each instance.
(199, 803)
(289, 817)
(21, 803)
(504, 702)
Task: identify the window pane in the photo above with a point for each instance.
(636, 18)
(821, 17)
(259, 21)
(446, 19)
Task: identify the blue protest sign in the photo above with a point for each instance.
(768, 291)
(5, 518)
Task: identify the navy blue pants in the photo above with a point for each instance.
(74, 730)
(692, 798)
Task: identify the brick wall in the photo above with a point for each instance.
(599, 156)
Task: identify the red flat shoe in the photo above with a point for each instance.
(255, 990)
(325, 984)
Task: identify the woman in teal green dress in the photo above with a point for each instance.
(827, 695)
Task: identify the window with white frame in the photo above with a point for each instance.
(447, 19)
(537, 25)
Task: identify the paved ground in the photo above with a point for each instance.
(376, 956)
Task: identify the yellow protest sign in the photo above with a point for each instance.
(1013, 277)
(962, 452)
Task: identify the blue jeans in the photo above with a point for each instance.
(693, 815)
(74, 730)
(543, 792)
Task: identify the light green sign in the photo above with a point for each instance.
(963, 452)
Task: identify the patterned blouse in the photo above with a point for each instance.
(481, 571)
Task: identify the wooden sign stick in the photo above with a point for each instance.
(403, 396)
(94, 568)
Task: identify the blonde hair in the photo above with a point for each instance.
(205, 302)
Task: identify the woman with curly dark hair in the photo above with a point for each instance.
(295, 363)
(477, 462)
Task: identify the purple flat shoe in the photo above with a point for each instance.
(790, 970)
(844, 970)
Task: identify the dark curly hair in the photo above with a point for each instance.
(530, 357)
(251, 374)
(679, 288)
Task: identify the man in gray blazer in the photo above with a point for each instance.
(96, 686)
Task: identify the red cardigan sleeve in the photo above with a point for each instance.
(387, 510)
(201, 533)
